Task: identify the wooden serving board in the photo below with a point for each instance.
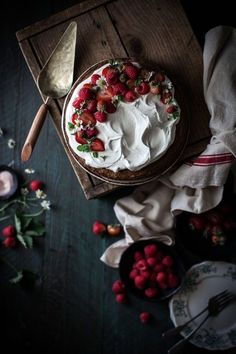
(153, 30)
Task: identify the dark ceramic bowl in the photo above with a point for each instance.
(127, 261)
(201, 247)
(15, 182)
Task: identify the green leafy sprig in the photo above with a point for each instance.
(24, 212)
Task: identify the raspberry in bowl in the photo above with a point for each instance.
(151, 270)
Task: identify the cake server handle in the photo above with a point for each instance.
(34, 131)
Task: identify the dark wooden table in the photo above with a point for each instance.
(72, 308)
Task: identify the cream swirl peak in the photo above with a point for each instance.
(122, 117)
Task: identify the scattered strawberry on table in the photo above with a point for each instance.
(100, 229)
(119, 290)
(145, 317)
(120, 81)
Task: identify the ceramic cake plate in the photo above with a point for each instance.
(150, 172)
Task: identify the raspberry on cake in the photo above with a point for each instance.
(121, 117)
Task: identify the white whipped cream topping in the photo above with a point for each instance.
(134, 136)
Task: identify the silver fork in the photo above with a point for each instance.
(215, 305)
(176, 330)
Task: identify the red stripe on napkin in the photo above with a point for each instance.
(208, 160)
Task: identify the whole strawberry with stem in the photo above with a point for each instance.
(196, 223)
(9, 242)
(121, 298)
(99, 228)
(112, 76)
(130, 96)
(131, 71)
(118, 287)
(143, 88)
(35, 185)
(145, 317)
(94, 78)
(9, 231)
(85, 93)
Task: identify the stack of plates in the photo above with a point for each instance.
(203, 281)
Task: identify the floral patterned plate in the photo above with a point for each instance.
(203, 281)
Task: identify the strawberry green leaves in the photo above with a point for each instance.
(25, 278)
(27, 229)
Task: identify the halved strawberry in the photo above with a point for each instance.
(79, 137)
(77, 103)
(87, 118)
(74, 118)
(105, 95)
(94, 78)
(105, 70)
(110, 107)
(92, 106)
(90, 132)
(97, 145)
(89, 86)
(101, 105)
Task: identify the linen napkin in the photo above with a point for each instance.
(197, 185)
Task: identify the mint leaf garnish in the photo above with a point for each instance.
(138, 81)
(70, 126)
(95, 154)
(28, 240)
(120, 98)
(175, 115)
(83, 148)
(21, 239)
(113, 63)
(17, 223)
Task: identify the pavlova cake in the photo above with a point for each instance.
(120, 119)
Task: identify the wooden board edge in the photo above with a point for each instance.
(100, 190)
(59, 17)
(195, 149)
